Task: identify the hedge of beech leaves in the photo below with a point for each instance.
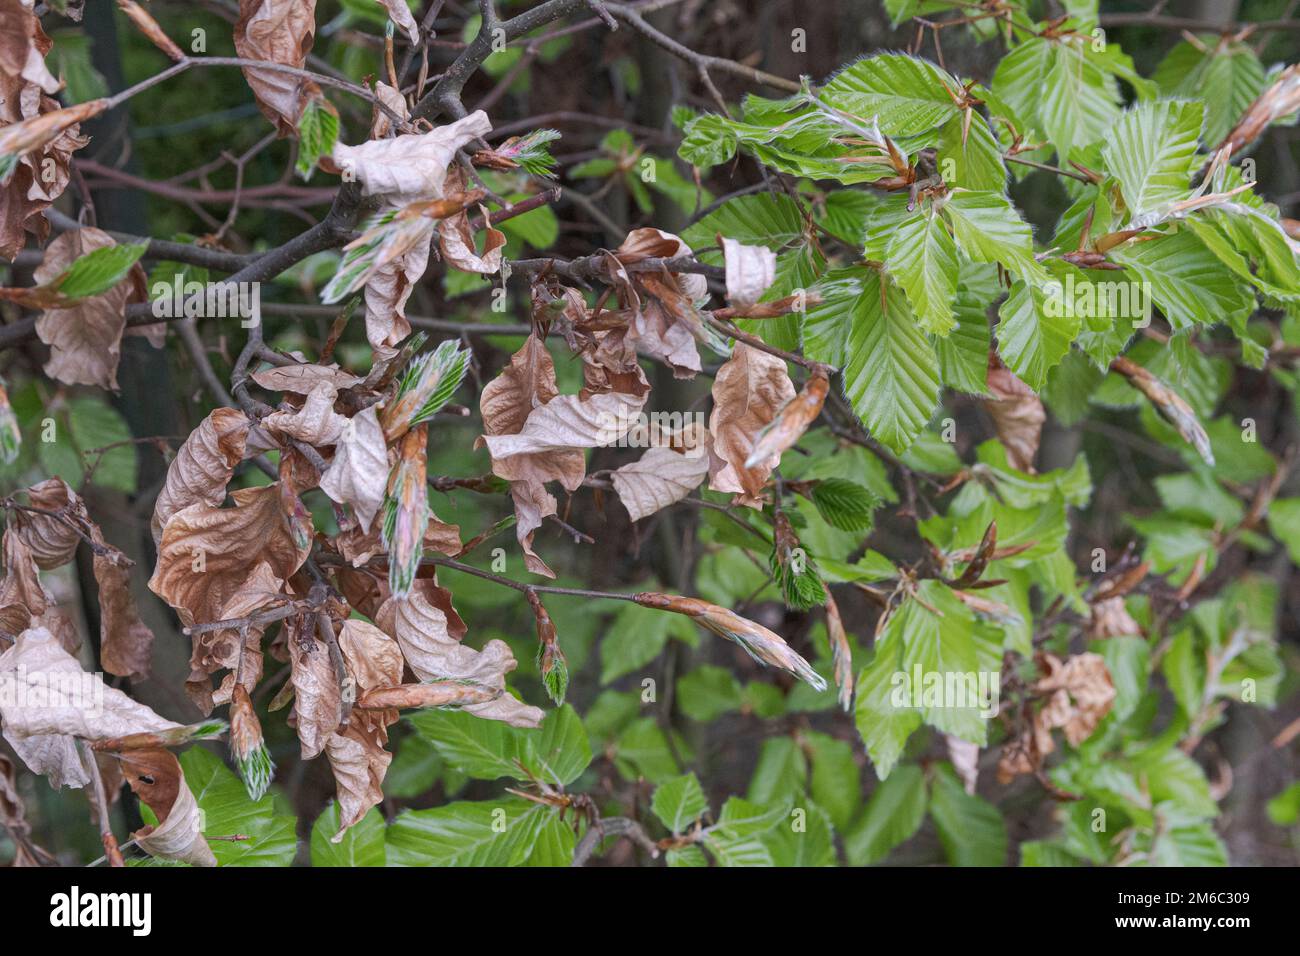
(928, 625)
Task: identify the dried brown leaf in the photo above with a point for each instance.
(157, 779)
(278, 31)
(203, 466)
(748, 391)
(358, 475)
(207, 555)
(750, 271)
(664, 474)
(74, 704)
(428, 629)
(1017, 414)
(85, 339)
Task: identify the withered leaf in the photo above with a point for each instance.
(400, 14)
(73, 704)
(157, 779)
(203, 466)
(664, 474)
(52, 540)
(748, 391)
(315, 423)
(125, 641)
(301, 379)
(318, 700)
(429, 630)
(358, 475)
(39, 177)
(406, 169)
(85, 339)
(1017, 414)
(359, 762)
(207, 555)
(506, 402)
(750, 271)
(22, 597)
(278, 31)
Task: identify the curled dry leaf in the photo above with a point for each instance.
(1017, 414)
(26, 88)
(642, 244)
(318, 697)
(147, 25)
(567, 422)
(1169, 404)
(407, 169)
(400, 14)
(506, 402)
(429, 631)
(1110, 618)
(358, 475)
(760, 643)
(52, 534)
(359, 762)
(841, 650)
(356, 753)
(302, 379)
(389, 287)
(404, 170)
(791, 421)
(748, 391)
(1077, 695)
(202, 467)
(315, 423)
(73, 704)
(85, 339)
(278, 31)
(666, 322)
(157, 779)
(456, 241)
(750, 271)
(208, 555)
(373, 658)
(228, 648)
(13, 817)
(965, 757)
(52, 540)
(23, 45)
(666, 473)
(125, 641)
(383, 123)
(22, 597)
(1088, 691)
